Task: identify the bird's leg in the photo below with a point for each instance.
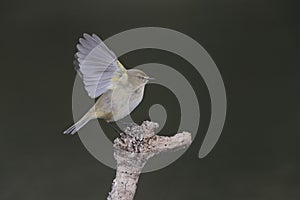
(128, 123)
(117, 130)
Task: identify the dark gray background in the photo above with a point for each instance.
(255, 44)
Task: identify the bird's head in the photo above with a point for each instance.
(137, 77)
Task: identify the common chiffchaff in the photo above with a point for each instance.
(120, 90)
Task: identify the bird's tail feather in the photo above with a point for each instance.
(78, 125)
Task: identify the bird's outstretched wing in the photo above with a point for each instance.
(97, 65)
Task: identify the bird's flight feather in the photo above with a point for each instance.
(97, 65)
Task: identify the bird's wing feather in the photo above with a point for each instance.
(97, 65)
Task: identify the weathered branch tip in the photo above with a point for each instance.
(133, 149)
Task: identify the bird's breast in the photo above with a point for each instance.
(125, 100)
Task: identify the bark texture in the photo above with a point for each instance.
(133, 149)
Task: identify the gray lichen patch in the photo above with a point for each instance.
(133, 149)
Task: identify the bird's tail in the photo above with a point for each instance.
(78, 125)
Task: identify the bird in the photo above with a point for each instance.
(119, 90)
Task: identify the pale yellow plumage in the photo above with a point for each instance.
(119, 90)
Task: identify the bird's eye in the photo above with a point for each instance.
(141, 77)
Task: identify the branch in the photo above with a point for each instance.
(132, 151)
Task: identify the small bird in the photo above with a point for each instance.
(119, 90)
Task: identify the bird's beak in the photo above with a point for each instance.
(150, 78)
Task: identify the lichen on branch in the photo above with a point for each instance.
(133, 149)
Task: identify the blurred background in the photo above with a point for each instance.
(255, 45)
